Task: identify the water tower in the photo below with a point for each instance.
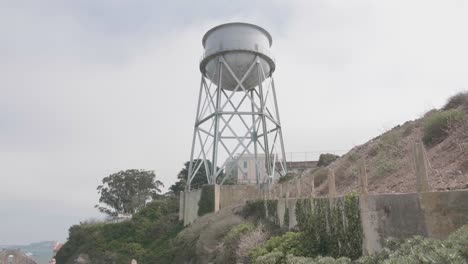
(237, 113)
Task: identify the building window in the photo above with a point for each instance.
(245, 164)
(245, 175)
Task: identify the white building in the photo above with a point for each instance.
(243, 169)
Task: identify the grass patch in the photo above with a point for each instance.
(437, 126)
(456, 101)
(326, 159)
(385, 167)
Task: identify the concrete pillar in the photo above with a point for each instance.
(420, 159)
(331, 183)
(312, 185)
(181, 205)
(363, 176)
(280, 190)
(217, 197)
(299, 187)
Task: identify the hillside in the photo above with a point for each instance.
(389, 157)
(146, 237)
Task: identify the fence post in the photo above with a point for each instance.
(298, 186)
(331, 183)
(363, 175)
(312, 184)
(420, 159)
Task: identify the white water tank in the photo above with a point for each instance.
(239, 44)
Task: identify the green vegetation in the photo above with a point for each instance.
(231, 241)
(456, 101)
(198, 180)
(331, 228)
(206, 203)
(126, 192)
(437, 125)
(424, 250)
(254, 209)
(286, 249)
(326, 159)
(326, 228)
(278, 247)
(385, 166)
(286, 178)
(146, 237)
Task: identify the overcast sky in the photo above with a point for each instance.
(91, 87)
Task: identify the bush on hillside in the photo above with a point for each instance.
(453, 250)
(320, 176)
(289, 243)
(424, 250)
(206, 203)
(326, 159)
(146, 237)
(437, 125)
(286, 177)
(456, 101)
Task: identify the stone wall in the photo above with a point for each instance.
(190, 206)
(230, 195)
(433, 214)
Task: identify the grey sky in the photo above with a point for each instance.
(88, 88)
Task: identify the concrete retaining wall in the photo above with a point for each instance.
(238, 194)
(191, 200)
(433, 214)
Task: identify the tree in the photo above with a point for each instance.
(198, 180)
(326, 159)
(126, 192)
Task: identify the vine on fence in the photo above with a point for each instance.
(206, 202)
(332, 227)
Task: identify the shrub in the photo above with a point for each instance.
(343, 237)
(437, 125)
(286, 178)
(237, 231)
(146, 237)
(270, 258)
(248, 241)
(206, 202)
(320, 176)
(289, 243)
(460, 99)
(326, 159)
(231, 241)
(290, 259)
(385, 166)
(423, 250)
(353, 157)
(255, 209)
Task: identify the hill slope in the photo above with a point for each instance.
(389, 157)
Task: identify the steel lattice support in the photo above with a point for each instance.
(232, 123)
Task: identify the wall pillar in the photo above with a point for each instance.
(331, 183)
(363, 176)
(422, 181)
(181, 205)
(217, 197)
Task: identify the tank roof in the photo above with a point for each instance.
(236, 23)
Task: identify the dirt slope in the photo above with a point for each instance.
(389, 160)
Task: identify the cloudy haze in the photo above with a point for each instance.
(88, 88)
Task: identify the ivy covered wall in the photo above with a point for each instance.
(331, 227)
